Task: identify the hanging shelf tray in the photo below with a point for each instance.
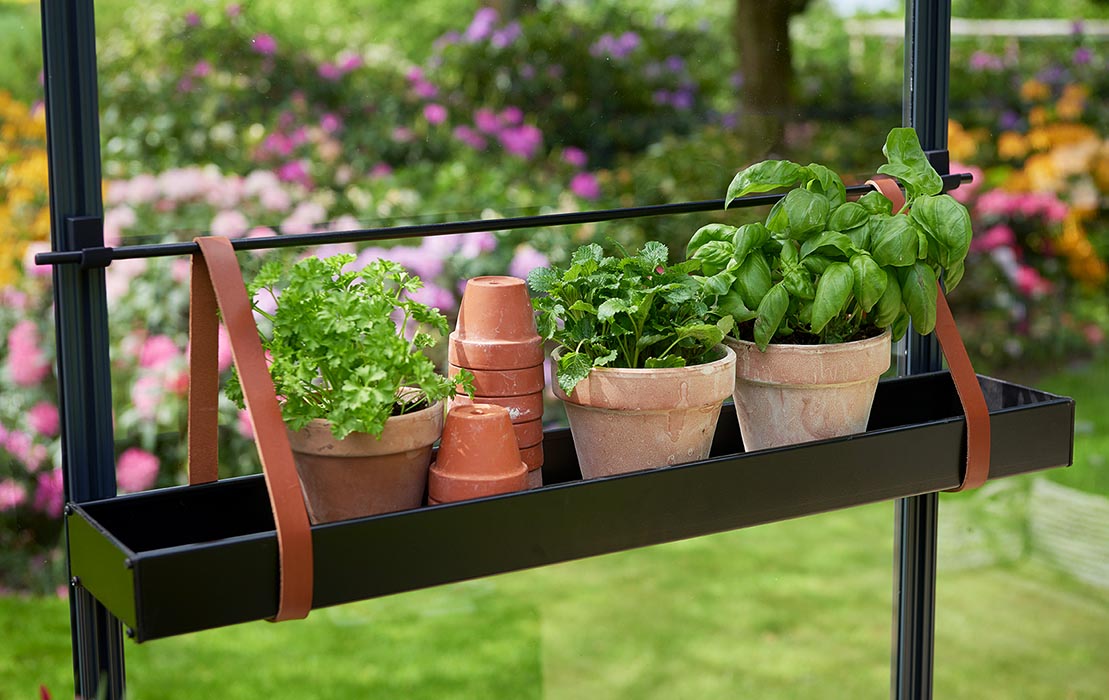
(184, 559)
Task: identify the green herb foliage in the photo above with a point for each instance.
(829, 268)
(339, 343)
(634, 311)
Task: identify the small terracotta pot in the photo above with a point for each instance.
(797, 393)
(521, 409)
(624, 420)
(362, 475)
(528, 434)
(496, 308)
(509, 382)
(494, 354)
(477, 456)
(533, 457)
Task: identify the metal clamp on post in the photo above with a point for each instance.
(86, 234)
(940, 160)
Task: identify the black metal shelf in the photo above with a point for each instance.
(184, 559)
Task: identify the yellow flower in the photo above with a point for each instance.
(961, 144)
(1037, 116)
(1041, 172)
(1033, 91)
(1011, 146)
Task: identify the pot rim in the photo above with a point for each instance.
(361, 443)
(656, 371)
(825, 347)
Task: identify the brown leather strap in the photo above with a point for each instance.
(218, 281)
(962, 373)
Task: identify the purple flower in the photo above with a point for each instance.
(675, 64)
(329, 71)
(350, 62)
(555, 72)
(682, 99)
(202, 69)
(295, 171)
(192, 19)
(661, 97)
(525, 260)
(446, 40)
(264, 44)
(522, 141)
(985, 61)
(736, 79)
(482, 25)
(1082, 56)
(402, 134)
(512, 116)
(574, 156)
(1009, 120)
(381, 170)
(585, 185)
(330, 123)
(503, 38)
(470, 137)
(425, 90)
(433, 295)
(527, 71)
(486, 120)
(415, 74)
(435, 113)
(234, 10)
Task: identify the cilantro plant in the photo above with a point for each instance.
(634, 311)
(340, 347)
(825, 270)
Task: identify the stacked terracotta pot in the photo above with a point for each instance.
(477, 456)
(497, 342)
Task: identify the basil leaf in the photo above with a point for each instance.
(870, 281)
(888, 307)
(953, 275)
(749, 237)
(807, 213)
(828, 239)
(798, 282)
(900, 325)
(816, 264)
(947, 222)
(752, 279)
(776, 220)
(828, 184)
(909, 165)
(770, 313)
(918, 287)
(763, 177)
(789, 253)
(705, 234)
(875, 203)
(895, 242)
(732, 304)
(861, 235)
(714, 256)
(718, 284)
(832, 292)
(847, 216)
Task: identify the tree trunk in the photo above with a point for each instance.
(761, 33)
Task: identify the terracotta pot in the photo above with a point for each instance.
(528, 434)
(624, 420)
(362, 475)
(533, 457)
(796, 393)
(521, 409)
(477, 456)
(496, 327)
(509, 382)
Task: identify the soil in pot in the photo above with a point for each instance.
(796, 393)
(362, 475)
(625, 420)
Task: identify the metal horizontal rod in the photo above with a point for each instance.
(107, 255)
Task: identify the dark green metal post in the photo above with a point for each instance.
(80, 313)
(927, 71)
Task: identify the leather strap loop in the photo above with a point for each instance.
(962, 372)
(217, 282)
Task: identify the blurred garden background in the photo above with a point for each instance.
(267, 117)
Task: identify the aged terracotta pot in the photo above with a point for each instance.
(533, 458)
(521, 409)
(496, 327)
(529, 433)
(508, 382)
(362, 475)
(477, 456)
(797, 393)
(624, 420)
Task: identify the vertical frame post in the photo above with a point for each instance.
(927, 74)
(80, 314)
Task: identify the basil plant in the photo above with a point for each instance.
(822, 269)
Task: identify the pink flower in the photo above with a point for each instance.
(435, 113)
(425, 90)
(525, 260)
(435, 296)
(966, 191)
(350, 62)
(482, 24)
(329, 71)
(264, 44)
(136, 470)
(27, 366)
(997, 203)
(202, 69)
(22, 446)
(295, 171)
(381, 170)
(12, 495)
(43, 419)
(470, 137)
(522, 141)
(995, 237)
(486, 120)
(585, 185)
(223, 352)
(158, 351)
(512, 116)
(242, 424)
(30, 268)
(229, 223)
(146, 395)
(402, 134)
(574, 156)
(234, 10)
(49, 493)
(330, 123)
(192, 19)
(1030, 282)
